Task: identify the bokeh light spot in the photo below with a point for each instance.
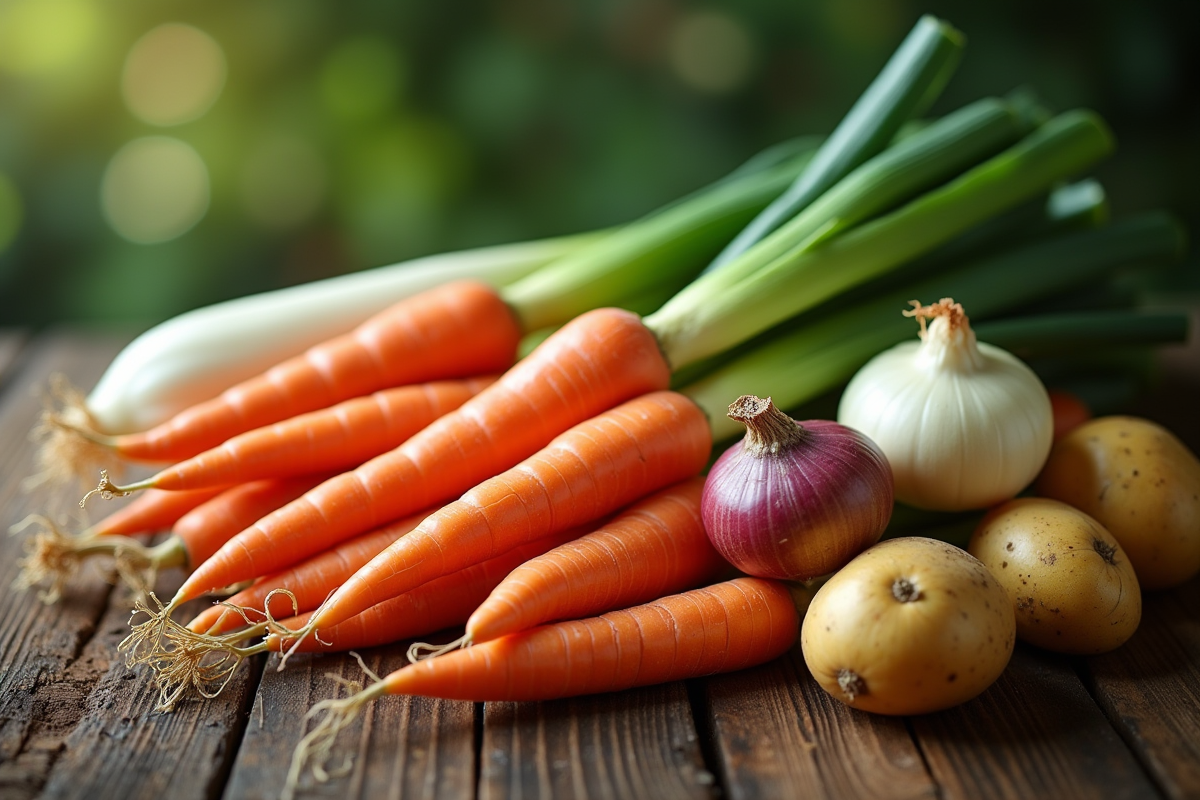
(362, 78)
(283, 182)
(154, 189)
(173, 74)
(10, 212)
(711, 52)
(43, 36)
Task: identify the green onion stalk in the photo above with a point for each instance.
(721, 309)
(910, 81)
(807, 362)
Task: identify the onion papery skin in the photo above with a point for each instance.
(801, 512)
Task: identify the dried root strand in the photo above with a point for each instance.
(317, 745)
(419, 651)
(181, 658)
(953, 312)
(106, 489)
(52, 557)
(71, 447)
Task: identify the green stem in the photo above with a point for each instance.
(664, 249)
(805, 363)
(726, 307)
(908, 83)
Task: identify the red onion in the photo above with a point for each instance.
(795, 500)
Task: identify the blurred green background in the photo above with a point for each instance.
(156, 156)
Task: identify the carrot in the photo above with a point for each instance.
(152, 512)
(308, 583)
(433, 606)
(335, 438)
(598, 360)
(457, 329)
(720, 628)
(596, 467)
(52, 556)
(655, 547)
(207, 661)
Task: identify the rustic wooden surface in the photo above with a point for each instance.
(76, 722)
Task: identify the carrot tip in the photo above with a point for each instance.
(419, 651)
(317, 744)
(108, 490)
(70, 446)
(181, 658)
(50, 559)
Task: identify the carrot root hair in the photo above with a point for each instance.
(52, 557)
(317, 745)
(419, 651)
(106, 489)
(182, 658)
(70, 446)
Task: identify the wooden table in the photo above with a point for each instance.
(75, 722)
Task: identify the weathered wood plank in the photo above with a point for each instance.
(123, 748)
(776, 730)
(400, 747)
(1150, 689)
(39, 702)
(1035, 733)
(641, 743)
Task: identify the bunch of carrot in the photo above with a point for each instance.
(413, 474)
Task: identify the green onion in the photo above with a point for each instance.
(922, 161)
(807, 362)
(723, 308)
(909, 82)
(663, 249)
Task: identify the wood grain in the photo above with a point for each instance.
(400, 747)
(41, 693)
(1150, 689)
(123, 748)
(1035, 733)
(775, 729)
(640, 743)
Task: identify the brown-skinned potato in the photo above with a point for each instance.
(911, 625)
(1072, 586)
(1142, 484)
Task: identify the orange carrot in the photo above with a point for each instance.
(598, 360)
(595, 468)
(208, 661)
(433, 606)
(203, 531)
(309, 582)
(455, 330)
(655, 547)
(152, 512)
(720, 628)
(336, 438)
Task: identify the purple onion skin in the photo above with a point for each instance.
(802, 512)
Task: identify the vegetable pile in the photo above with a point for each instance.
(512, 441)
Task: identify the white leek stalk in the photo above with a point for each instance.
(197, 355)
(962, 423)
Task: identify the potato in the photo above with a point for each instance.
(1072, 585)
(1142, 484)
(909, 626)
